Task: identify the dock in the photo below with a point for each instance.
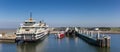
(4, 37)
(96, 39)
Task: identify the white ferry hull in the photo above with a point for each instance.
(27, 38)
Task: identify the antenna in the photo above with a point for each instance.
(30, 14)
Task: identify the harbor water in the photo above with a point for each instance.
(67, 44)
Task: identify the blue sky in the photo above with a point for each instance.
(85, 13)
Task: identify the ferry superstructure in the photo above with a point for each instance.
(30, 30)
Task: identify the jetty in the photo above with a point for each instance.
(90, 37)
(4, 37)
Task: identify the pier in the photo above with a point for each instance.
(90, 37)
(4, 37)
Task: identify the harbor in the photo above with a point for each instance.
(88, 36)
(32, 31)
(59, 26)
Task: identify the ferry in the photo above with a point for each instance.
(30, 30)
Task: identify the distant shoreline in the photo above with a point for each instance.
(110, 32)
(54, 32)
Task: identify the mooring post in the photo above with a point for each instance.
(107, 41)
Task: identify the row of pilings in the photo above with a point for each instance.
(90, 37)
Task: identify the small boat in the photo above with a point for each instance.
(60, 35)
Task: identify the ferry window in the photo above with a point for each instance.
(26, 29)
(25, 22)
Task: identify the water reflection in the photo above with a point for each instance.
(59, 42)
(67, 39)
(98, 49)
(8, 47)
(75, 39)
(33, 46)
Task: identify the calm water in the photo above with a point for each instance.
(67, 44)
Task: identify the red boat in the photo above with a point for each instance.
(60, 35)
